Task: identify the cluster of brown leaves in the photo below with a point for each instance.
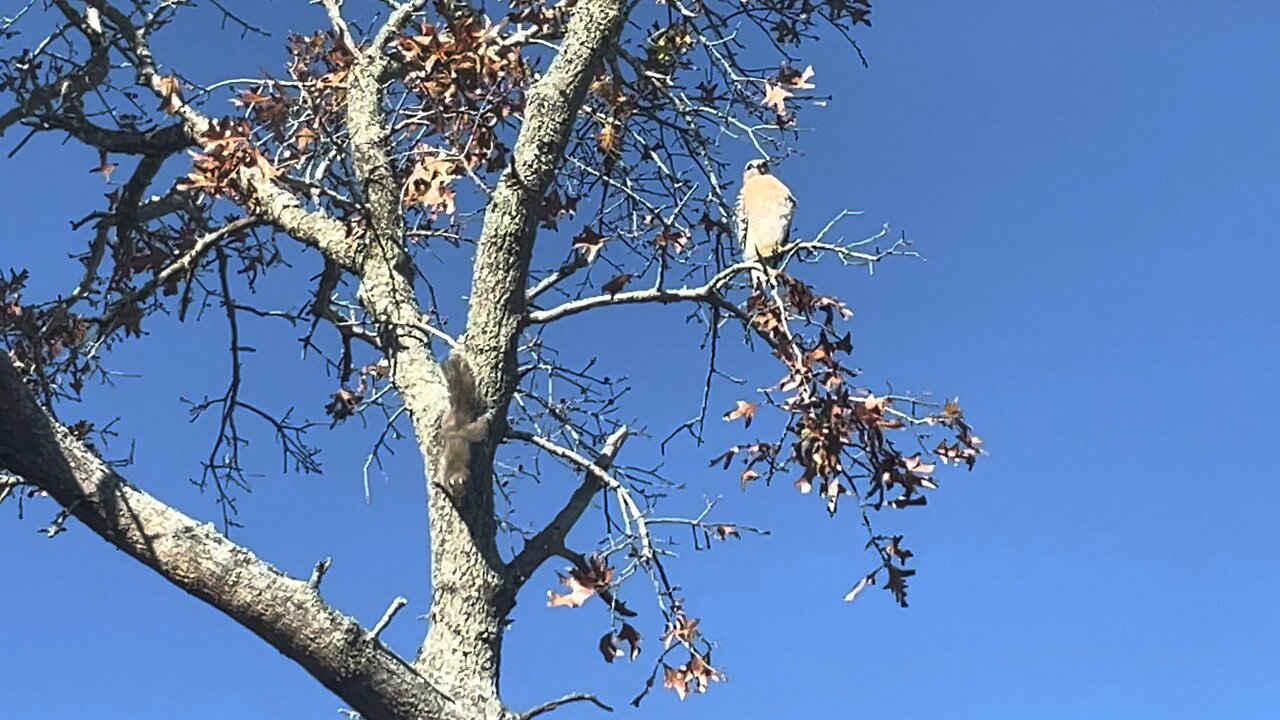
(554, 207)
(757, 453)
(273, 110)
(841, 436)
(228, 163)
(302, 115)
(798, 298)
(429, 182)
(346, 401)
(666, 46)
(967, 446)
(696, 675)
(582, 583)
(610, 648)
(43, 340)
(594, 577)
(268, 106)
(783, 87)
(470, 81)
(546, 18)
(791, 21)
(22, 73)
(611, 107)
(321, 62)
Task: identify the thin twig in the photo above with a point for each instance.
(388, 616)
(572, 698)
(317, 575)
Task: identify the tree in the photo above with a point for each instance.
(373, 155)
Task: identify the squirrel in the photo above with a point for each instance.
(463, 424)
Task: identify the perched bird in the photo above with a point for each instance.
(765, 209)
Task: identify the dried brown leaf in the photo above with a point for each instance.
(615, 286)
(743, 410)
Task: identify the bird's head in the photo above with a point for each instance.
(754, 168)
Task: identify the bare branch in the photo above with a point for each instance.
(396, 21)
(567, 699)
(710, 293)
(390, 614)
(187, 262)
(334, 10)
(317, 575)
(577, 263)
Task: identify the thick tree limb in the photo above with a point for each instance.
(282, 610)
(494, 325)
(164, 140)
(506, 243)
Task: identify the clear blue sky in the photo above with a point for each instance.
(1095, 185)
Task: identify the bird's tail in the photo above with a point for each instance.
(759, 279)
(762, 276)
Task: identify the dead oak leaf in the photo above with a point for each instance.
(553, 206)
(672, 238)
(615, 286)
(105, 166)
(343, 404)
(775, 98)
(897, 583)
(801, 81)
(725, 459)
(683, 629)
(724, 532)
(305, 138)
(429, 183)
(743, 410)
(675, 679)
(919, 470)
(609, 140)
(170, 89)
(609, 648)
(701, 672)
(590, 242)
(582, 582)
(578, 593)
(631, 637)
(895, 550)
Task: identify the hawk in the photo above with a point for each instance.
(765, 209)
